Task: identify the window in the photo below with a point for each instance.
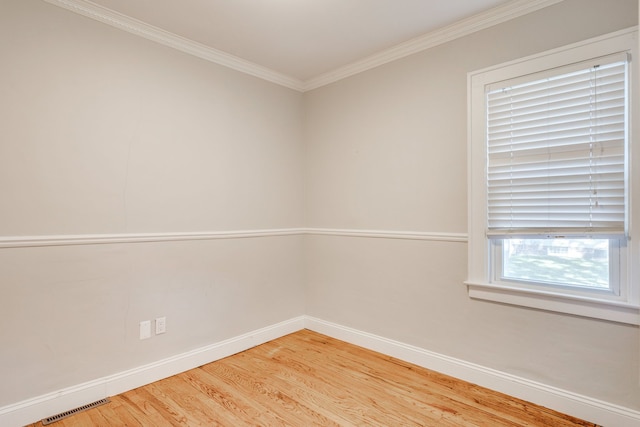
(551, 168)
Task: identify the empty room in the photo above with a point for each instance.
(427, 186)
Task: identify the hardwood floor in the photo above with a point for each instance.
(306, 379)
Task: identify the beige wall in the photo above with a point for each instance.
(104, 132)
(108, 133)
(386, 150)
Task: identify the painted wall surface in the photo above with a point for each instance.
(106, 132)
(386, 150)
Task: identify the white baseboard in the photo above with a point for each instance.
(35, 409)
(593, 410)
(602, 413)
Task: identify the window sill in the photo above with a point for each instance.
(614, 311)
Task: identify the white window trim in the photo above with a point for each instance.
(625, 308)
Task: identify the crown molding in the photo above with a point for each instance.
(434, 38)
(139, 28)
(451, 32)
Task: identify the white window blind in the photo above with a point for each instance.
(556, 147)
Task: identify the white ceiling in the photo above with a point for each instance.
(302, 39)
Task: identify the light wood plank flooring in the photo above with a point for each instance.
(306, 379)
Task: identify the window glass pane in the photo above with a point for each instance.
(563, 262)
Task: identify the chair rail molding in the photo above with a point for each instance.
(100, 239)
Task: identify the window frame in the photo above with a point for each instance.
(624, 304)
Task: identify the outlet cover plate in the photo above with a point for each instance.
(161, 325)
(145, 329)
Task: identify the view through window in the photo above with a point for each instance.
(566, 262)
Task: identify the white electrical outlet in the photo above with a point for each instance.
(145, 329)
(161, 325)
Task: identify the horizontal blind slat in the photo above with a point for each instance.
(556, 152)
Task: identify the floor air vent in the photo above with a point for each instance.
(66, 414)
